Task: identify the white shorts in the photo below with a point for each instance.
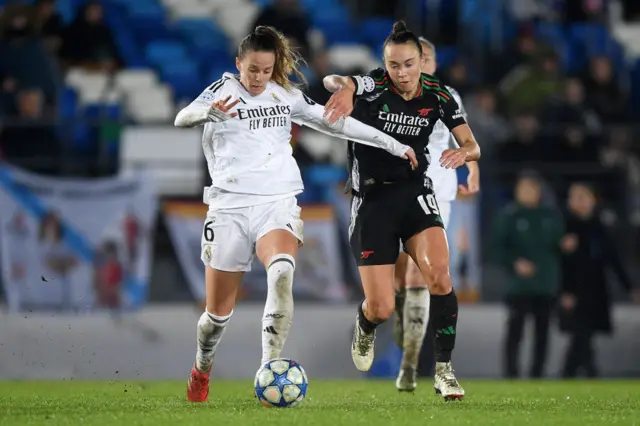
(445, 212)
(445, 215)
(229, 235)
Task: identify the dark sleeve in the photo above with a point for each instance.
(371, 83)
(614, 259)
(451, 113)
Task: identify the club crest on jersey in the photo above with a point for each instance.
(424, 111)
(275, 97)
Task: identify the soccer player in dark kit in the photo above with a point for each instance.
(392, 203)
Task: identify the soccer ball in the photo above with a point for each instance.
(281, 383)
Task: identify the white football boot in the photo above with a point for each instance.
(362, 348)
(445, 382)
(406, 381)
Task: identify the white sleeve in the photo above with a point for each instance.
(453, 144)
(199, 111)
(306, 112)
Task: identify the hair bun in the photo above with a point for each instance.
(399, 27)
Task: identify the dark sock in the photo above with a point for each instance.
(367, 326)
(401, 295)
(444, 319)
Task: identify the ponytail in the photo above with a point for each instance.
(268, 39)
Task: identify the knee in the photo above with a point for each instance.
(280, 273)
(380, 310)
(438, 278)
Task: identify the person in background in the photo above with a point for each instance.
(88, 41)
(526, 243)
(585, 299)
(289, 18)
(49, 24)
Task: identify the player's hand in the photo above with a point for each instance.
(567, 301)
(411, 156)
(340, 105)
(220, 110)
(473, 185)
(524, 268)
(453, 158)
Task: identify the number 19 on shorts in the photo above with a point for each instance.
(428, 204)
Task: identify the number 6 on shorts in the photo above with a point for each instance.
(428, 204)
(208, 232)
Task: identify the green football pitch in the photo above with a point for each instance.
(332, 403)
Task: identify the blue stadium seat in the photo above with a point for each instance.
(374, 31)
(184, 77)
(68, 103)
(165, 52)
(446, 55)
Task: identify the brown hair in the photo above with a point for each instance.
(400, 34)
(268, 39)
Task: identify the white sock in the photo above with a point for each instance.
(210, 330)
(415, 321)
(278, 309)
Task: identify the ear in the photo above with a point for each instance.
(238, 63)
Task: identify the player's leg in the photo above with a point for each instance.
(430, 251)
(417, 309)
(399, 285)
(375, 246)
(227, 255)
(279, 237)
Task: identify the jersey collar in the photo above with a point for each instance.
(395, 90)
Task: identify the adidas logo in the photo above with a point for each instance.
(269, 329)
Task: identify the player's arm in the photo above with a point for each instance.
(208, 107)
(453, 116)
(473, 179)
(347, 89)
(308, 113)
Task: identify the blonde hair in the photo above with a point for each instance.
(288, 61)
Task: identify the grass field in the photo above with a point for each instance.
(328, 403)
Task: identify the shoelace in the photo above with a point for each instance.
(449, 378)
(364, 343)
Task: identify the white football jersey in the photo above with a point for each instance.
(445, 181)
(250, 155)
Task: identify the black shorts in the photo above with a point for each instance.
(390, 214)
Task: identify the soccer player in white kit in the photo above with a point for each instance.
(253, 209)
(408, 280)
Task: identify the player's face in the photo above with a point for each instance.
(256, 69)
(404, 65)
(581, 200)
(429, 64)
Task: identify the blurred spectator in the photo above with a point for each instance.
(571, 106)
(526, 243)
(529, 86)
(575, 146)
(489, 128)
(618, 156)
(25, 62)
(532, 9)
(321, 68)
(288, 17)
(88, 41)
(631, 10)
(521, 53)
(585, 301)
(585, 10)
(604, 94)
(49, 23)
(525, 146)
(457, 76)
(29, 141)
